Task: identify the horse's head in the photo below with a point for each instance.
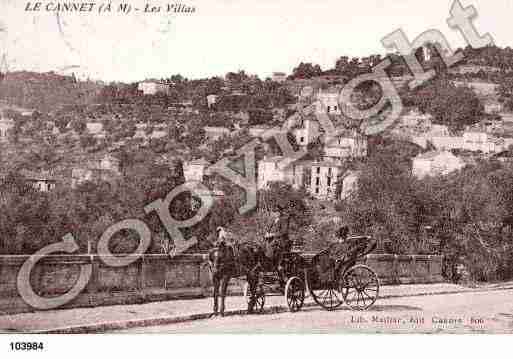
(221, 257)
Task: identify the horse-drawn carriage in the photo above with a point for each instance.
(331, 276)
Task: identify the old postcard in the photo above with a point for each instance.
(255, 167)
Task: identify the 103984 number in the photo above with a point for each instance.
(26, 346)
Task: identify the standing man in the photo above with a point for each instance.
(278, 242)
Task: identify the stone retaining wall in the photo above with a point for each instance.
(159, 277)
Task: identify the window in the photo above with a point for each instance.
(317, 181)
(317, 190)
(318, 170)
(329, 172)
(329, 181)
(328, 108)
(301, 140)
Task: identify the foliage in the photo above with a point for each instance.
(451, 105)
(466, 216)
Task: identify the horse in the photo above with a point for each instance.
(233, 260)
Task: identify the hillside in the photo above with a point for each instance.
(45, 91)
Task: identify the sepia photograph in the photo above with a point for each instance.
(255, 167)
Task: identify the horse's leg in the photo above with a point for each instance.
(224, 290)
(252, 284)
(215, 282)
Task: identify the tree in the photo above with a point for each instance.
(451, 105)
(79, 126)
(61, 122)
(87, 140)
(306, 71)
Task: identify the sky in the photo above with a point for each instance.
(259, 37)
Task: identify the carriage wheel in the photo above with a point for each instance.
(360, 287)
(327, 297)
(295, 293)
(260, 299)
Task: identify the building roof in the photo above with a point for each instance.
(198, 162)
(273, 159)
(38, 175)
(325, 164)
(216, 129)
(94, 127)
(433, 154)
(154, 82)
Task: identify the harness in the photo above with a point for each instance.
(235, 263)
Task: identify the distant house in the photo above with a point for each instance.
(279, 76)
(277, 169)
(159, 131)
(181, 107)
(504, 156)
(436, 163)
(153, 87)
(348, 144)
(414, 118)
(480, 88)
(319, 178)
(493, 107)
(42, 181)
(95, 129)
(323, 179)
(211, 100)
(215, 133)
(480, 140)
(349, 184)
(307, 132)
(194, 171)
(6, 125)
(262, 131)
(472, 69)
(327, 102)
(105, 169)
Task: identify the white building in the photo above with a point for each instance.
(319, 178)
(323, 179)
(327, 102)
(307, 133)
(95, 129)
(348, 144)
(263, 131)
(194, 171)
(349, 184)
(493, 107)
(110, 163)
(215, 133)
(153, 87)
(211, 100)
(279, 76)
(6, 125)
(105, 169)
(42, 181)
(436, 163)
(278, 169)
